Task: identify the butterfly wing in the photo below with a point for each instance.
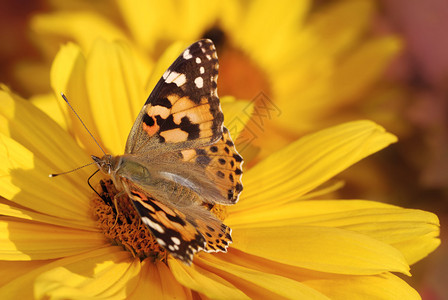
(222, 166)
(181, 127)
(183, 110)
(181, 230)
(179, 140)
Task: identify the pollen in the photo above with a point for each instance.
(123, 226)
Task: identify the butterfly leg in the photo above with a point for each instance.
(120, 194)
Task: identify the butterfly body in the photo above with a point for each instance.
(179, 158)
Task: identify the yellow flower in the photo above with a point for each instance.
(300, 63)
(286, 243)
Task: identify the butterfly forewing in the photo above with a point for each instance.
(183, 110)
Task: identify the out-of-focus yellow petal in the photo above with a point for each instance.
(156, 279)
(255, 284)
(271, 24)
(163, 63)
(309, 162)
(83, 27)
(21, 240)
(322, 249)
(115, 92)
(87, 261)
(68, 77)
(146, 19)
(333, 71)
(354, 76)
(206, 282)
(384, 286)
(338, 26)
(236, 114)
(48, 104)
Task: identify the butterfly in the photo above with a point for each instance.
(179, 159)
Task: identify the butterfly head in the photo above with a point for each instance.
(106, 163)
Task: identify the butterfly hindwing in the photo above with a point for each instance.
(181, 230)
(223, 167)
(183, 110)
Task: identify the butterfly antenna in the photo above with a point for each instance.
(57, 174)
(79, 118)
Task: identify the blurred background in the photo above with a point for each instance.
(305, 65)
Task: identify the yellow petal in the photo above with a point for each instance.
(271, 24)
(23, 287)
(11, 270)
(256, 284)
(205, 282)
(354, 75)
(24, 180)
(322, 249)
(156, 279)
(383, 286)
(68, 76)
(99, 277)
(21, 240)
(48, 104)
(83, 27)
(37, 132)
(146, 19)
(418, 247)
(309, 162)
(236, 115)
(337, 27)
(25, 214)
(413, 232)
(115, 92)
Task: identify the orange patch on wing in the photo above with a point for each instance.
(151, 130)
(188, 154)
(196, 115)
(174, 135)
(182, 104)
(158, 110)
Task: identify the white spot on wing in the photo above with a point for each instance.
(175, 240)
(187, 54)
(161, 242)
(208, 57)
(178, 79)
(165, 75)
(153, 225)
(199, 82)
(201, 70)
(198, 60)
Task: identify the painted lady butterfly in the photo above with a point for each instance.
(179, 158)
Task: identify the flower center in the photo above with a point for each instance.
(123, 226)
